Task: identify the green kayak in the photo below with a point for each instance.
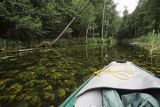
(119, 84)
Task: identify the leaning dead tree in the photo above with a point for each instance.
(65, 29)
(73, 19)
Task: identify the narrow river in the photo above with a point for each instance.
(46, 77)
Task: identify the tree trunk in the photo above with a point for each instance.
(64, 30)
(102, 31)
(87, 35)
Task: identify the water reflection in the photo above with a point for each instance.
(47, 77)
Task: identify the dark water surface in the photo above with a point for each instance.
(46, 77)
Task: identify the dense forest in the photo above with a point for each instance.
(145, 19)
(32, 20)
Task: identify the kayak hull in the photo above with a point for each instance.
(126, 77)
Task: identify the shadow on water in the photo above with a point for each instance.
(48, 76)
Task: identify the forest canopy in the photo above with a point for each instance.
(32, 19)
(145, 19)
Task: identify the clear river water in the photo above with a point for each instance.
(44, 78)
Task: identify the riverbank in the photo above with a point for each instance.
(150, 42)
(15, 46)
(84, 41)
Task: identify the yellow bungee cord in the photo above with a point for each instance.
(124, 75)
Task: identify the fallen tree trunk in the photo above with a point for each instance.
(64, 30)
(70, 23)
(25, 50)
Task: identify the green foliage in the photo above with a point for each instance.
(29, 20)
(28, 23)
(81, 41)
(61, 92)
(142, 21)
(150, 41)
(15, 88)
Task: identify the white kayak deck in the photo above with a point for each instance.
(126, 76)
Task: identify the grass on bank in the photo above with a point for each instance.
(150, 41)
(16, 45)
(83, 41)
(65, 42)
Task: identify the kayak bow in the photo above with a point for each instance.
(118, 79)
